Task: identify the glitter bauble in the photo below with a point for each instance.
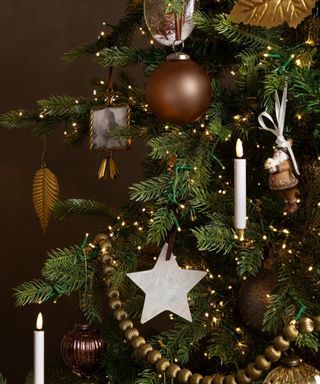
(179, 90)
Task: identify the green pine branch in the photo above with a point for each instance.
(34, 292)
(163, 221)
(150, 189)
(119, 56)
(81, 208)
(3, 380)
(214, 238)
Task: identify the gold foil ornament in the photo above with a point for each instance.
(44, 194)
(271, 13)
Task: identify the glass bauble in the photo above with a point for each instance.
(81, 349)
(179, 90)
(293, 371)
(162, 25)
(254, 297)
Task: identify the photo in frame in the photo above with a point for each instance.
(104, 122)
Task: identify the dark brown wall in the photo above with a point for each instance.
(33, 36)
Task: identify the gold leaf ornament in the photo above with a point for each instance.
(271, 13)
(45, 193)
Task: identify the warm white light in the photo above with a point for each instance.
(239, 148)
(39, 324)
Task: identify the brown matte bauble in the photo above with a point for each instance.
(81, 349)
(254, 297)
(179, 90)
(293, 371)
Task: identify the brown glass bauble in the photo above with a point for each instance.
(179, 90)
(254, 297)
(293, 371)
(81, 349)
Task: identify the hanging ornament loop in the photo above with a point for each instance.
(280, 109)
(178, 46)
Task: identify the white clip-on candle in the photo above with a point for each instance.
(39, 351)
(240, 191)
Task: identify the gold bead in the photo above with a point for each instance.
(108, 269)
(272, 354)
(162, 364)
(172, 371)
(219, 379)
(306, 325)
(113, 293)
(144, 349)
(105, 245)
(153, 356)
(137, 341)
(262, 363)
(195, 378)
(130, 333)
(183, 375)
(115, 304)
(242, 377)
(120, 314)
(207, 380)
(316, 322)
(253, 372)
(231, 379)
(290, 332)
(125, 324)
(281, 344)
(99, 237)
(106, 258)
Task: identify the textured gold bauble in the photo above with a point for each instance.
(179, 90)
(242, 377)
(125, 324)
(316, 322)
(272, 354)
(130, 333)
(300, 373)
(207, 380)
(195, 378)
(253, 371)
(281, 344)
(231, 379)
(144, 349)
(115, 303)
(137, 341)
(254, 297)
(262, 363)
(218, 379)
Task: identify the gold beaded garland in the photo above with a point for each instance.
(195, 378)
(183, 375)
(120, 314)
(115, 303)
(218, 379)
(137, 341)
(272, 354)
(130, 333)
(316, 322)
(262, 363)
(231, 379)
(207, 380)
(244, 376)
(125, 324)
(162, 364)
(306, 325)
(253, 372)
(172, 371)
(281, 343)
(153, 356)
(290, 332)
(144, 349)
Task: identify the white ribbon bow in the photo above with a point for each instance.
(278, 130)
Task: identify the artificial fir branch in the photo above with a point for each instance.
(81, 208)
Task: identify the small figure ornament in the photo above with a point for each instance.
(282, 178)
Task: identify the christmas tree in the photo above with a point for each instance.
(250, 278)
